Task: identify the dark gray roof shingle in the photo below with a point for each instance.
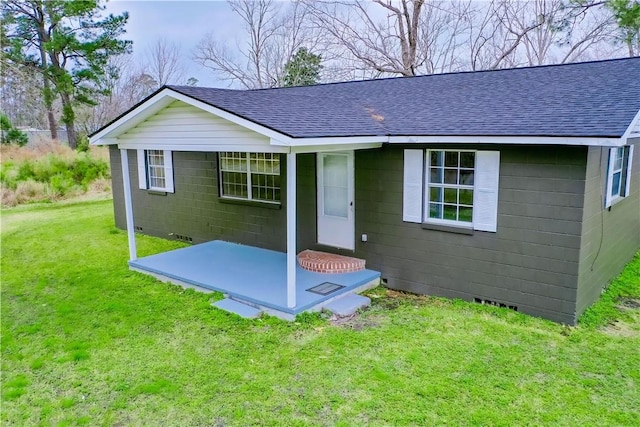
(590, 99)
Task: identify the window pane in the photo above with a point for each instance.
(615, 188)
(618, 163)
(450, 176)
(436, 175)
(435, 194)
(234, 184)
(334, 175)
(436, 158)
(467, 160)
(335, 201)
(450, 195)
(450, 212)
(451, 159)
(466, 177)
(435, 210)
(465, 214)
(466, 197)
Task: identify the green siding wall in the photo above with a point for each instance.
(610, 237)
(195, 209)
(532, 260)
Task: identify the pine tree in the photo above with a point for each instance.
(303, 69)
(69, 43)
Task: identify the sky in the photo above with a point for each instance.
(183, 22)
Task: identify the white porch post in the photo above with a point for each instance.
(128, 206)
(291, 230)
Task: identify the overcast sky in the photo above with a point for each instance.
(183, 22)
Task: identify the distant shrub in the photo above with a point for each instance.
(10, 134)
(52, 176)
(83, 143)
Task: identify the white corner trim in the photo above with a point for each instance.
(508, 140)
(635, 123)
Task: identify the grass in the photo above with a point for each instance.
(85, 341)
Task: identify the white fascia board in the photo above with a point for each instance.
(163, 99)
(507, 140)
(345, 141)
(204, 147)
(335, 147)
(634, 124)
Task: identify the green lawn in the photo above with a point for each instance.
(85, 341)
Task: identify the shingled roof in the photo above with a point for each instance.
(589, 99)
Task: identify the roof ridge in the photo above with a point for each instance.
(424, 76)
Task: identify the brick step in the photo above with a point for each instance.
(322, 262)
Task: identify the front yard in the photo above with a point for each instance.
(85, 341)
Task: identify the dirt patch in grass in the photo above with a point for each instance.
(356, 321)
(629, 303)
(627, 326)
(620, 328)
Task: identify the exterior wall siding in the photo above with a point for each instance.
(534, 261)
(530, 262)
(610, 237)
(195, 209)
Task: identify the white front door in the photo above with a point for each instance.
(335, 200)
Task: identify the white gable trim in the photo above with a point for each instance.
(161, 100)
(633, 131)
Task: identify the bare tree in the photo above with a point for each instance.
(21, 94)
(164, 64)
(566, 33)
(384, 38)
(132, 84)
(274, 32)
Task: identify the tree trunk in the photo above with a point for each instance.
(46, 85)
(68, 117)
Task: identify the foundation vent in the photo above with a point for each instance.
(495, 303)
(138, 228)
(184, 238)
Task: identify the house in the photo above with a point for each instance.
(517, 187)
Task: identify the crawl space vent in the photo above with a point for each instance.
(495, 303)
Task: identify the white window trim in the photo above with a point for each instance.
(485, 190)
(625, 187)
(143, 174)
(249, 197)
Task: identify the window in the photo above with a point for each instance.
(250, 176)
(619, 175)
(456, 188)
(155, 170)
(449, 194)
